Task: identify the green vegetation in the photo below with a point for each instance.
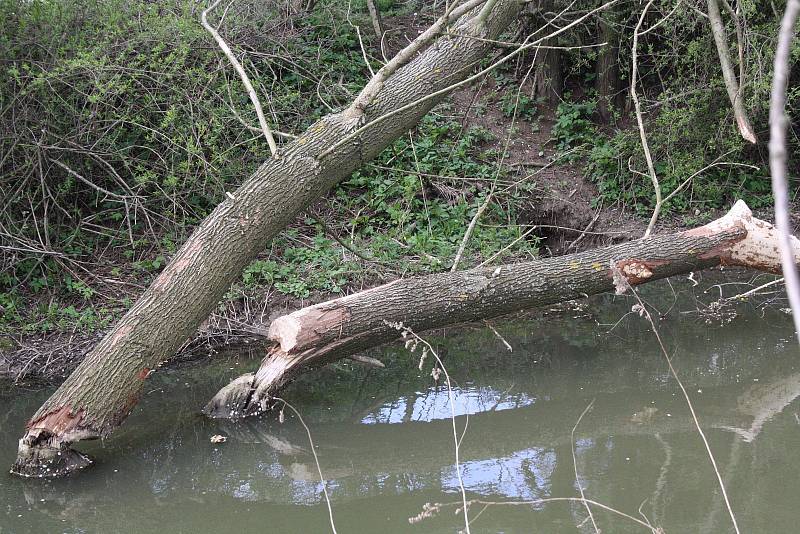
(679, 150)
(146, 108)
(123, 126)
(688, 117)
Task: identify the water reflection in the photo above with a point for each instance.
(384, 439)
(762, 402)
(434, 404)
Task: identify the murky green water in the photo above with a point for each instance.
(384, 437)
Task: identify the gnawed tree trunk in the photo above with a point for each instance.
(105, 387)
(320, 334)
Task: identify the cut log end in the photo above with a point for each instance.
(43, 455)
(44, 451)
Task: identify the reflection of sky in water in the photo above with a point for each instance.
(524, 474)
(435, 404)
(495, 476)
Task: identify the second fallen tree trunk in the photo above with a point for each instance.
(320, 334)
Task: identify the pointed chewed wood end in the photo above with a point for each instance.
(231, 402)
(745, 129)
(252, 394)
(42, 455)
(44, 451)
(759, 248)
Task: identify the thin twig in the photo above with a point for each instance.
(412, 339)
(642, 309)
(462, 83)
(374, 86)
(639, 121)
(746, 294)
(470, 229)
(360, 41)
(487, 201)
(86, 181)
(348, 246)
(517, 240)
(500, 337)
(316, 461)
(575, 465)
(547, 500)
(456, 440)
(589, 226)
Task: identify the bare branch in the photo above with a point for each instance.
(521, 48)
(575, 466)
(251, 92)
(375, 16)
(322, 480)
(373, 87)
(731, 85)
(86, 181)
(470, 229)
(635, 97)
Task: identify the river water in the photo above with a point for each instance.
(384, 438)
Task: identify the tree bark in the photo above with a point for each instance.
(607, 82)
(105, 387)
(548, 79)
(320, 334)
(731, 85)
(375, 17)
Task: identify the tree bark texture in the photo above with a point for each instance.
(375, 17)
(548, 79)
(607, 82)
(320, 334)
(105, 387)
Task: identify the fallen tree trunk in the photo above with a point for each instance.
(320, 334)
(105, 387)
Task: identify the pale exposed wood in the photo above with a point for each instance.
(778, 155)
